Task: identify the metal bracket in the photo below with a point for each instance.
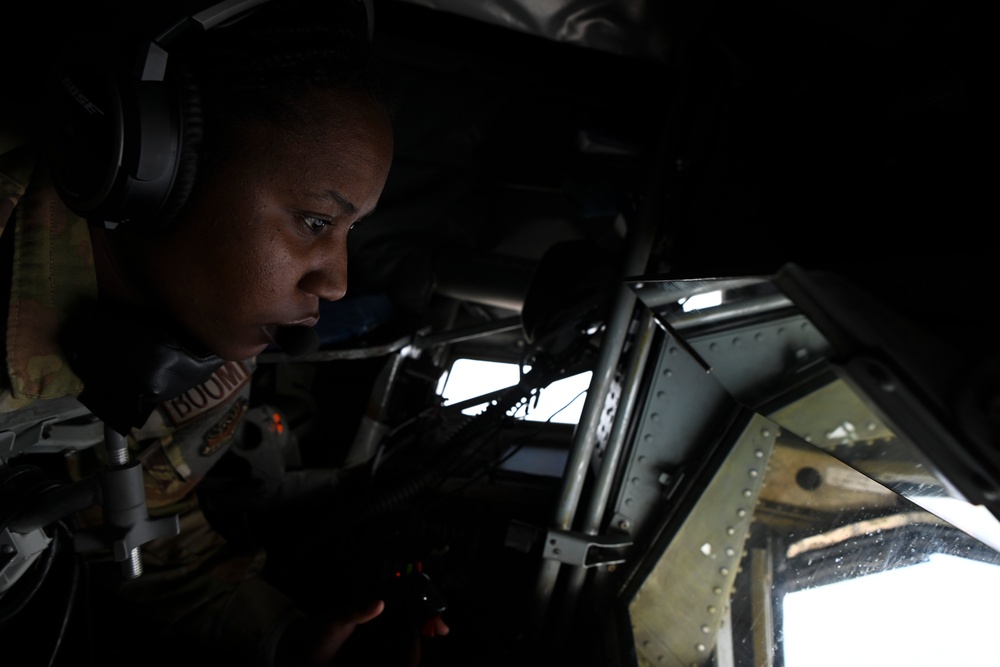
(17, 553)
(583, 550)
(52, 435)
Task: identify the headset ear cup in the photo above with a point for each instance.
(84, 131)
(114, 141)
(192, 127)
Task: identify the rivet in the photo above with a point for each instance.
(711, 609)
(747, 493)
(667, 373)
(758, 337)
(737, 342)
(661, 394)
(625, 524)
(713, 346)
(723, 571)
(635, 480)
(730, 530)
(730, 551)
(741, 512)
(759, 453)
(705, 629)
(700, 647)
(766, 432)
(753, 472)
(717, 590)
(629, 502)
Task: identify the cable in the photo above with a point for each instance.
(523, 441)
(70, 595)
(40, 568)
(492, 466)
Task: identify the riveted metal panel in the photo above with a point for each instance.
(684, 407)
(757, 362)
(678, 610)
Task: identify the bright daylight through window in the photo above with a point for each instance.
(831, 626)
(561, 402)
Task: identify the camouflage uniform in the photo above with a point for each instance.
(192, 583)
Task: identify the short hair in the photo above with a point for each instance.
(260, 67)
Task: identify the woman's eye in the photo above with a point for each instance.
(314, 223)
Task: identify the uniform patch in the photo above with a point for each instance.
(223, 431)
(211, 393)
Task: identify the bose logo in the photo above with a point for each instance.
(80, 97)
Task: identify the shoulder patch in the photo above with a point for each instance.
(223, 431)
(211, 393)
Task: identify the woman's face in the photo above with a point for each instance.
(265, 238)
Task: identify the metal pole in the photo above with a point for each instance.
(639, 243)
(468, 333)
(616, 441)
(639, 246)
(591, 520)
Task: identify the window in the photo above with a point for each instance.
(561, 402)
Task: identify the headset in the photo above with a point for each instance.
(122, 147)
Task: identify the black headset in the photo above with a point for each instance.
(123, 147)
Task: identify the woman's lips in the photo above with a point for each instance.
(271, 330)
(307, 321)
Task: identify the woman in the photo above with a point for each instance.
(286, 145)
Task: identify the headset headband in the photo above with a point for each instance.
(122, 148)
(152, 64)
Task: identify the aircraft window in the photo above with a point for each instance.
(826, 562)
(561, 402)
(825, 494)
(818, 619)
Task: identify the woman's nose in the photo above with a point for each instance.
(329, 280)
